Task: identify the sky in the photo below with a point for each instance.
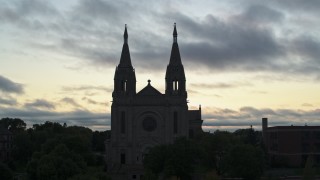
(243, 59)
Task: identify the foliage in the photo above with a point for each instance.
(249, 136)
(237, 154)
(60, 163)
(98, 139)
(245, 161)
(178, 159)
(55, 151)
(14, 125)
(5, 172)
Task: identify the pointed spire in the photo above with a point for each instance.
(175, 34)
(125, 60)
(175, 77)
(125, 35)
(175, 58)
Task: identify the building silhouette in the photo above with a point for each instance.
(290, 146)
(5, 144)
(144, 119)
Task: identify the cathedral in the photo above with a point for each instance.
(144, 119)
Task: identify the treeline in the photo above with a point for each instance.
(211, 155)
(57, 151)
(54, 151)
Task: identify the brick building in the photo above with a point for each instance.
(291, 145)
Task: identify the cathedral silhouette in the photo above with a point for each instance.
(144, 119)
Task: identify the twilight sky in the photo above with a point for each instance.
(243, 59)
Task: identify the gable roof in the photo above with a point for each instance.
(149, 91)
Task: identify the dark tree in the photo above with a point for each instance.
(243, 161)
(249, 136)
(5, 172)
(14, 125)
(178, 159)
(98, 139)
(60, 163)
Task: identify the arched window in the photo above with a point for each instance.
(124, 86)
(175, 85)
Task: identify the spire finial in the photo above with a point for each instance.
(175, 34)
(125, 35)
(149, 82)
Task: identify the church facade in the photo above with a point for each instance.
(144, 119)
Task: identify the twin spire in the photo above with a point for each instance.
(125, 81)
(125, 60)
(175, 34)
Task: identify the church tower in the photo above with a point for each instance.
(144, 119)
(124, 77)
(175, 77)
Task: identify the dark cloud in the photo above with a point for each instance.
(103, 10)
(40, 103)
(251, 39)
(247, 116)
(29, 14)
(307, 47)
(8, 101)
(310, 6)
(91, 101)
(71, 101)
(8, 86)
(228, 44)
(258, 14)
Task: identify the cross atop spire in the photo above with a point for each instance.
(125, 35)
(125, 60)
(175, 34)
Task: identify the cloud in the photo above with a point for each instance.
(246, 116)
(29, 14)
(86, 87)
(228, 44)
(91, 101)
(8, 101)
(86, 90)
(221, 85)
(307, 105)
(254, 37)
(258, 14)
(305, 52)
(71, 101)
(310, 6)
(40, 103)
(8, 86)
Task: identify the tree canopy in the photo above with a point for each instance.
(237, 154)
(54, 151)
